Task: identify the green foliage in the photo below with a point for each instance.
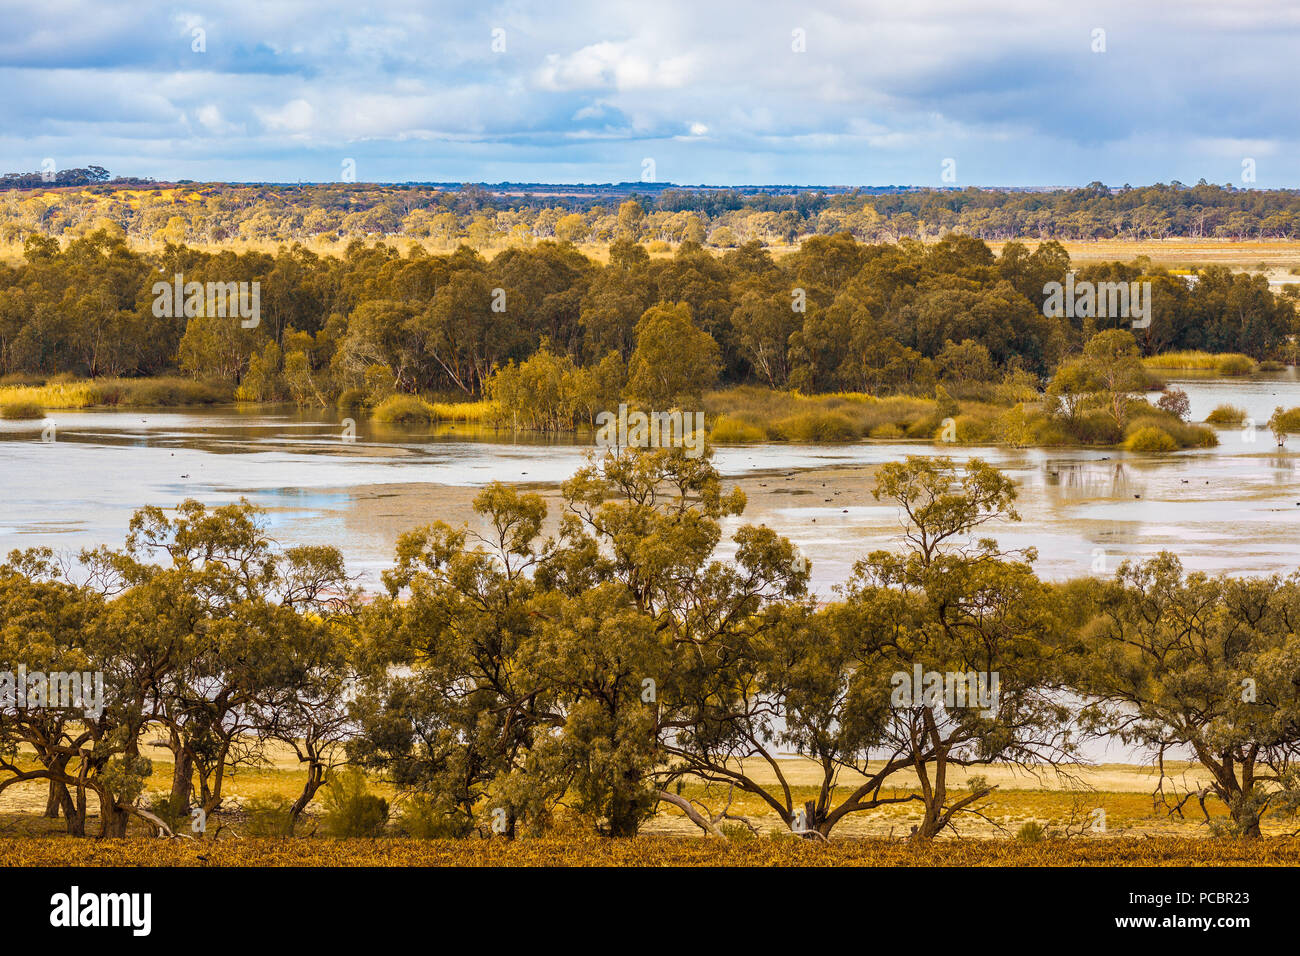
(404, 410)
(728, 429)
(1226, 415)
(1235, 365)
(263, 381)
(425, 818)
(1175, 660)
(558, 336)
(19, 411)
(1031, 832)
(674, 361)
(268, 817)
(1283, 422)
(552, 393)
(737, 832)
(1150, 438)
(816, 427)
(351, 399)
(350, 810)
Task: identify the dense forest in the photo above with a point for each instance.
(887, 318)
(73, 202)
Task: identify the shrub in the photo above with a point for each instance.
(268, 817)
(172, 813)
(164, 391)
(816, 427)
(1175, 402)
(1150, 438)
(1049, 433)
(404, 410)
(1187, 436)
(351, 398)
(1233, 364)
(1184, 435)
(969, 429)
(1031, 832)
(769, 410)
(887, 430)
(21, 411)
(737, 833)
(728, 429)
(926, 427)
(1098, 427)
(1226, 415)
(350, 809)
(1285, 421)
(1271, 365)
(423, 818)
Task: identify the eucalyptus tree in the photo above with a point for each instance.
(1186, 664)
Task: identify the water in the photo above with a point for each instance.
(1233, 508)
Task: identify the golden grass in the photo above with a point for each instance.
(483, 412)
(750, 413)
(21, 410)
(648, 851)
(167, 391)
(62, 395)
(411, 409)
(1278, 255)
(1226, 363)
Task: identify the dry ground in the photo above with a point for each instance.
(1063, 803)
(649, 851)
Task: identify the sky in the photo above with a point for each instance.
(921, 92)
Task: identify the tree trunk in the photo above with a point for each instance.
(77, 817)
(315, 777)
(812, 826)
(182, 778)
(113, 817)
(692, 814)
(56, 799)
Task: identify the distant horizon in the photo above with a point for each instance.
(634, 185)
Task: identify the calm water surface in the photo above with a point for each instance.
(1233, 508)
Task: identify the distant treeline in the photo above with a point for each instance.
(835, 315)
(519, 214)
(89, 176)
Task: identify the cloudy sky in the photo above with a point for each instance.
(1014, 92)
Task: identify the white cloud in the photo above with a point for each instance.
(612, 66)
(883, 89)
(295, 117)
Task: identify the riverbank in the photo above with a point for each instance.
(741, 415)
(160, 392)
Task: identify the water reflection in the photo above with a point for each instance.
(1232, 508)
